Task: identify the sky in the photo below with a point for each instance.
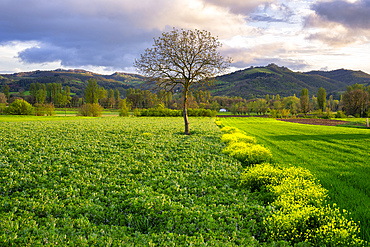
(105, 36)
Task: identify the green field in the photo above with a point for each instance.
(122, 182)
(337, 156)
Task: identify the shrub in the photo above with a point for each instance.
(301, 213)
(49, 109)
(124, 108)
(229, 130)
(248, 153)
(20, 107)
(91, 110)
(237, 137)
(39, 110)
(340, 114)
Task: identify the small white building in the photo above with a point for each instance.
(223, 110)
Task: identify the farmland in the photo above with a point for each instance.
(337, 156)
(122, 181)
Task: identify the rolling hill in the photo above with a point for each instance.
(247, 83)
(76, 79)
(272, 79)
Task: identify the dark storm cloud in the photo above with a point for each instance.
(73, 35)
(351, 15)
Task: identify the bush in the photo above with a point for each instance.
(44, 109)
(91, 110)
(230, 130)
(237, 137)
(248, 153)
(301, 213)
(340, 114)
(124, 108)
(20, 107)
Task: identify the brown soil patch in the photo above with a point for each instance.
(314, 121)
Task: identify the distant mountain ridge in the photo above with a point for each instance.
(248, 83)
(272, 79)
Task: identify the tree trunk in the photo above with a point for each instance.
(185, 112)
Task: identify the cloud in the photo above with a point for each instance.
(109, 33)
(340, 23)
(239, 6)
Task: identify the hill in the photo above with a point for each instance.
(248, 83)
(272, 79)
(76, 79)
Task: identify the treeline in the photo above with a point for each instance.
(355, 101)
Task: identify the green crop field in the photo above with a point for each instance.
(337, 156)
(122, 182)
(18, 118)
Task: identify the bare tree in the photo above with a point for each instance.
(182, 58)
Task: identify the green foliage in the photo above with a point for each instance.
(165, 112)
(91, 110)
(230, 130)
(243, 147)
(44, 109)
(20, 107)
(321, 98)
(300, 210)
(124, 108)
(238, 137)
(340, 114)
(122, 181)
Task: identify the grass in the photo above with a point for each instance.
(338, 157)
(122, 182)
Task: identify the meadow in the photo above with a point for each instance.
(122, 182)
(337, 156)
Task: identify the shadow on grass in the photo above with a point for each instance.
(320, 137)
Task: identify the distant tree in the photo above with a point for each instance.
(314, 103)
(321, 98)
(111, 100)
(291, 103)
(40, 96)
(6, 91)
(65, 98)
(305, 100)
(2, 98)
(355, 100)
(183, 58)
(93, 93)
(116, 94)
(124, 108)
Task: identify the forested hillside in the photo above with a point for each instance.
(75, 79)
(251, 83)
(256, 82)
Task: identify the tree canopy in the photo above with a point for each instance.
(182, 59)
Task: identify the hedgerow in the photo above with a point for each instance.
(165, 112)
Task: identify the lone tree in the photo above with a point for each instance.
(185, 58)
